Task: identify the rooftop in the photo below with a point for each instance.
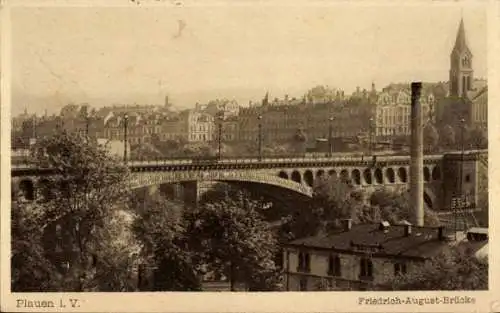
(422, 242)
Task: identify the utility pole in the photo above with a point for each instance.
(459, 205)
(87, 122)
(370, 145)
(125, 124)
(34, 127)
(330, 138)
(260, 137)
(220, 135)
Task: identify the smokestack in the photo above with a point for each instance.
(416, 157)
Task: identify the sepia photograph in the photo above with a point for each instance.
(184, 147)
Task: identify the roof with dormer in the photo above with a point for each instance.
(421, 243)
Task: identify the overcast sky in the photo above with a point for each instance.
(138, 55)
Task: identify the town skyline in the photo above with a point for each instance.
(233, 71)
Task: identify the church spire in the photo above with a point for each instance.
(460, 41)
(461, 70)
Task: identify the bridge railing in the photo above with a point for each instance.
(320, 157)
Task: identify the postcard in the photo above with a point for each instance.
(249, 156)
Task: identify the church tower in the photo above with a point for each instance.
(461, 72)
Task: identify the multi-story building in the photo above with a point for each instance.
(200, 126)
(173, 128)
(223, 107)
(281, 120)
(228, 129)
(365, 256)
(114, 128)
(479, 110)
(393, 109)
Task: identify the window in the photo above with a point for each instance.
(303, 284)
(467, 178)
(366, 269)
(304, 262)
(399, 269)
(334, 266)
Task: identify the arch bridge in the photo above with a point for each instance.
(295, 175)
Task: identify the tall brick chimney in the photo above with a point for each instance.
(416, 157)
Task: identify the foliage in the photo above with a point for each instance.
(31, 270)
(453, 269)
(159, 228)
(477, 138)
(395, 207)
(333, 199)
(145, 151)
(299, 141)
(234, 241)
(198, 150)
(448, 137)
(82, 197)
(431, 137)
(116, 253)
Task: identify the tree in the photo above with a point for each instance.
(117, 253)
(431, 137)
(160, 229)
(299, 141)
(333, 199)
(233, 240)
(452, 269)
(394, 207)
(31, 270)
(145, 151)
(447, 136)
(81, 198)
(477, 138)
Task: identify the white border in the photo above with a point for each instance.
(486, 301)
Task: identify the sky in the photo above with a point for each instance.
(140, 54)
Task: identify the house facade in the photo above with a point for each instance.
(359, 257)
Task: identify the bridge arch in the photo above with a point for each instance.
(283, 174)
(379, 177)
(344, 175)
(436, 173)
(427, 174)
(27, 187)
(356, 176)
(320, 173)
(296, 177)
(402, 175)
(367, 175)
(144, 179)
(389, 173)
(43, 186)
(309, 177)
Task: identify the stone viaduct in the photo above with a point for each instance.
(296, 176)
